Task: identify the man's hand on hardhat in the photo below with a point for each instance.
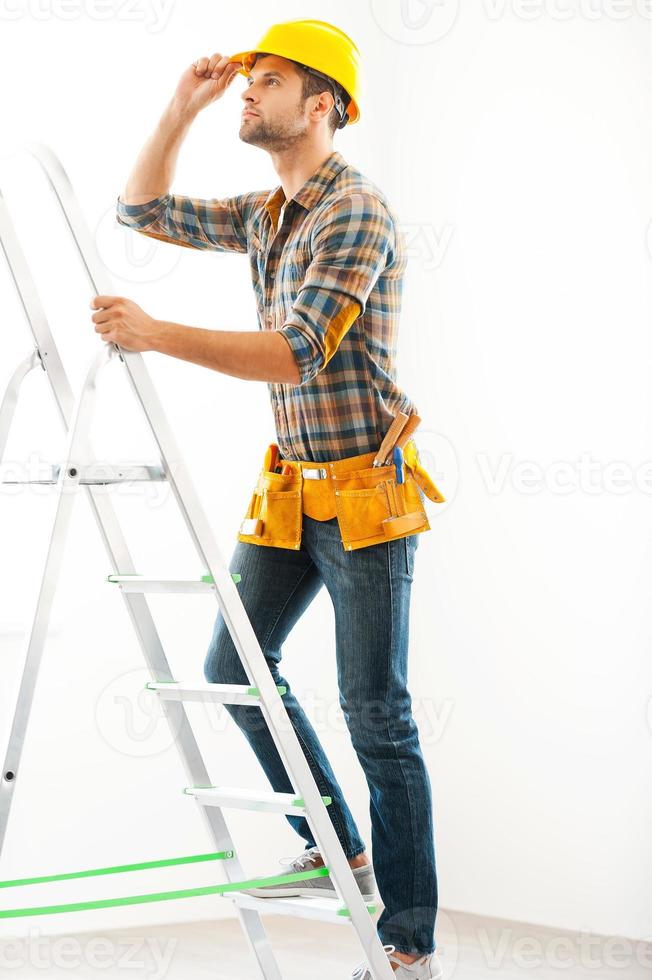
(122, 322)
(205, 81)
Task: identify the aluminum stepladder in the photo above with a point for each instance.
(77, 470)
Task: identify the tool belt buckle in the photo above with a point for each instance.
(316, 474)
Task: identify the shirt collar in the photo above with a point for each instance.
(314, 188)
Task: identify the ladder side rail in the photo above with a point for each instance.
(10, 397)
(35, 314)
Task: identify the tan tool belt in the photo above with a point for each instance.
(368, 501)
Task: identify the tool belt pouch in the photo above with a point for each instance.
(373, 507)
(274, 514)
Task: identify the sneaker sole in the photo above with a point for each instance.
(299, 893)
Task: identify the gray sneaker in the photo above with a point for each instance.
(314, 887)
(429, 968)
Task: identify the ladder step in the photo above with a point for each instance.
(264, 801)
(93, 474)
(107, 903)
(323, 909)
(144, 583)
(204, 691)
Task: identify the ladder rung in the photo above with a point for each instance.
(265, 801)
(324, 909)
(144, 583)
(97, 474)
(222, 693)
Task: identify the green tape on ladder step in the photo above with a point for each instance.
(120, 868)
(255, 691)
(327, 800)
(106, 903)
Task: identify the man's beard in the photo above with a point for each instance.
(275, 135)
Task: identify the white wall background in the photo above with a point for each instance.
(514, 141)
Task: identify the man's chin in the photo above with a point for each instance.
(247, 131)
(248, 137)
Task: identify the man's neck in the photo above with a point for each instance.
(294, 168)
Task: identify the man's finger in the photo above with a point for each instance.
(104, 301)
(214, 61)
(102, 316)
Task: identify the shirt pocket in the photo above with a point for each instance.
(293, 268)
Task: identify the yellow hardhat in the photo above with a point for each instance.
(319, 46)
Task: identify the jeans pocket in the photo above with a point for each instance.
(410, 544)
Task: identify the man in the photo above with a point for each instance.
(327, 265)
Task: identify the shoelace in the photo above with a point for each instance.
(361, 970)
(300, 862)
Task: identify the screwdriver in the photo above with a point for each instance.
(398, 463)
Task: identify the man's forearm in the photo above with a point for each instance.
(153, 171)
(252, 355)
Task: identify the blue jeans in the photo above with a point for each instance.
(370, 591)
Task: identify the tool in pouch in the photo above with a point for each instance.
(373, 501)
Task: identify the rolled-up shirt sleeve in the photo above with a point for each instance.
(217, 224)
(351, 244)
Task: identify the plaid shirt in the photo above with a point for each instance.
(329, 276)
